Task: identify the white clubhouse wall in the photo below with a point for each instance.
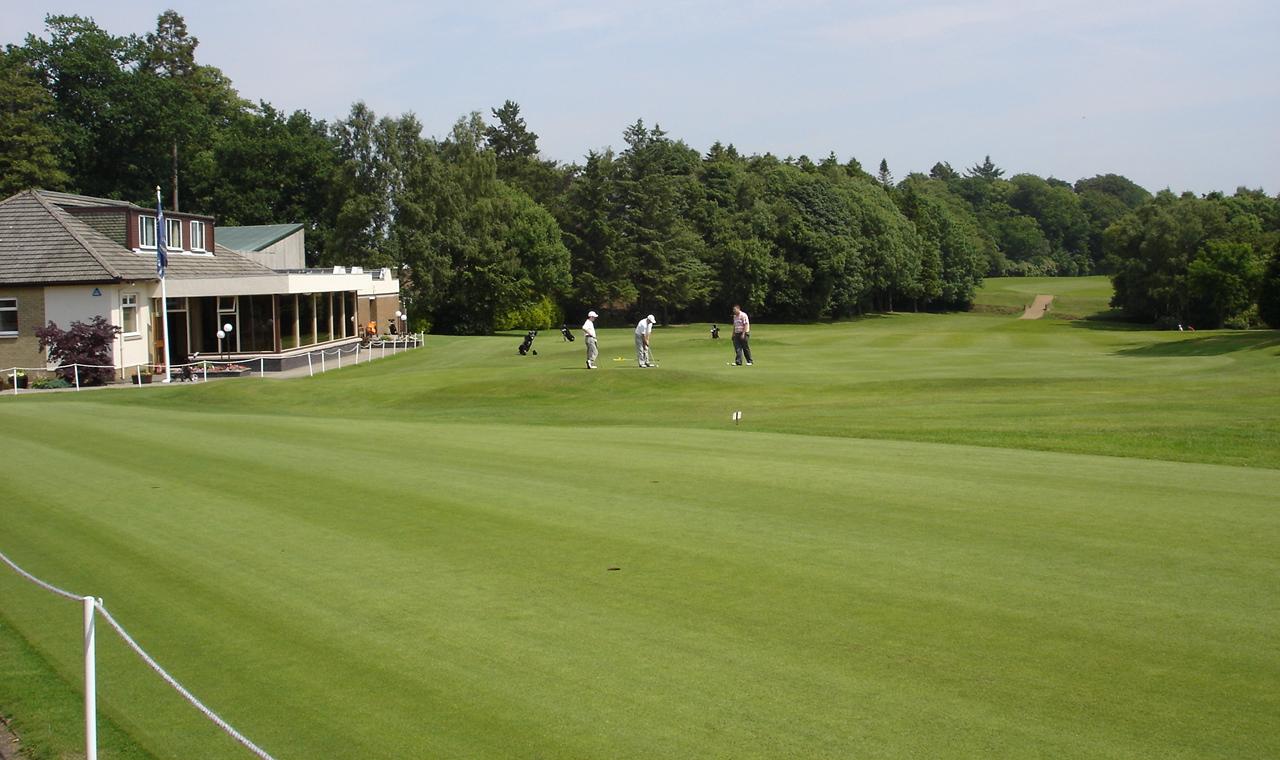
(78, 303)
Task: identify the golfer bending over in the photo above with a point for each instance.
(643, 329)
(741, 336)
(589, 337)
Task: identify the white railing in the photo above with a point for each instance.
(94, 605)
(398, 344)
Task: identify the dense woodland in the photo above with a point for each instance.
(490, 235)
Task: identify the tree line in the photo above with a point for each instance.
(489, 235)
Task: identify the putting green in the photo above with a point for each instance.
(916, 544)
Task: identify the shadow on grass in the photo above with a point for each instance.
(1209, 345)
(1111, 320)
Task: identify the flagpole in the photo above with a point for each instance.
(164, 301)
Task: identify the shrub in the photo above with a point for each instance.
(1244, 320)
(542, 314)
(84, 344)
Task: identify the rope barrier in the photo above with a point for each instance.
(148, 659)
(42, 584)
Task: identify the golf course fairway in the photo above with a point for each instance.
(930, 536)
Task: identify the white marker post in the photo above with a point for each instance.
(90, 684)
(737, 417)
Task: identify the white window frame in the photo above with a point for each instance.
(146, 224)
(172, 225)
(129, 301)
(6, 307)
(232, 315)
(197, 236)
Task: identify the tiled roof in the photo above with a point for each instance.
(40, 243)
(71, 199)
(255, 237)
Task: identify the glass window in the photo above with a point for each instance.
(264, 323)
(129, 313)
(307, 318)
(288, 322)
(173, 234)
(197, 236)
(146, 232)
(258, 325)
(227, 304)
(324, 331)
(205, 324)
(339, 315)
(8, 316)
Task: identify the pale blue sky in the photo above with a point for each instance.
(1184, 94)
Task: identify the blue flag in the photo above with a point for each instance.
(162, 256)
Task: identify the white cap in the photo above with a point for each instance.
(592, 314)
(650, 318)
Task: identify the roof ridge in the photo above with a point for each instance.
(110, 270)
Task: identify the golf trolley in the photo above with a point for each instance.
(526, 345)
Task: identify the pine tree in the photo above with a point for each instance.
(986, 170)
(884, 177)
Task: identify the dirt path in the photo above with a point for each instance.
(8, 742)
(1038, 308)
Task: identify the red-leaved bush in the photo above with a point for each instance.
(85, 344)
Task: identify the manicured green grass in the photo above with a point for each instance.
(1074, 297)
(931, 536)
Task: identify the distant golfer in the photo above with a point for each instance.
(741, 336)
(643, 329)
(589, 337)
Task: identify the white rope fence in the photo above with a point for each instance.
(205, 366)
(42, 584)
(91, 604)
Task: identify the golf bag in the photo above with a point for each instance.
(566, 333)
(526, 345)
(715, 332)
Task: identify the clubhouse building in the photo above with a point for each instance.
(67, 258)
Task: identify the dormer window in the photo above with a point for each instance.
(173, 234)
(146, 232)
(197, 236)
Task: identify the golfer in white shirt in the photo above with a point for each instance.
(643, 329)
(589, 337)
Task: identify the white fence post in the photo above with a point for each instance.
(339, 358)
(310, 372)
(15, 381)
(205, 366)
(90, 684)
(76, 367)
(262, 366)
(322, 361)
